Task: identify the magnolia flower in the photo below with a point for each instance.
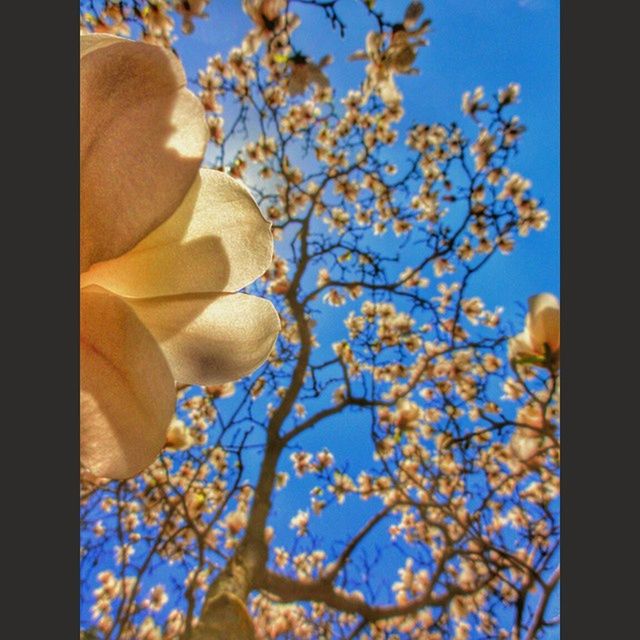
(305, 72)
(190, 9)
(269, 20)
(177, 436)
(158, 22)
(397, 57)
(263, 12)
(163, 247)
(539, 343)
(530, 440)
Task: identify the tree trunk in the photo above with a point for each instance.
(224, 615)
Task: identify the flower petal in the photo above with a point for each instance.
(211, 338)
(543, 321)
(142, 139)
(217, 240)
(127, 392)
(520, 346)
(91, 41)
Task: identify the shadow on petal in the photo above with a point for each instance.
(127, 392)
(216, 240)
(142, 139)
(211, 338)
(196, 266)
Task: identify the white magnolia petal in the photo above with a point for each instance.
(543, 321)
(211, 338)
(217, 240)
(127, 392)
(142, 139)
(92, 41)
(520, 346)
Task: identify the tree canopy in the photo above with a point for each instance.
(392, 470)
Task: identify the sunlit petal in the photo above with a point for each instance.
(543, 321)
(520, 345)
(143, 136)
(127, 394)
(217, 240)
(211, 339)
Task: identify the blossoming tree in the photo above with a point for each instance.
(392, 470)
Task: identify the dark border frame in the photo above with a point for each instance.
(40, 44)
